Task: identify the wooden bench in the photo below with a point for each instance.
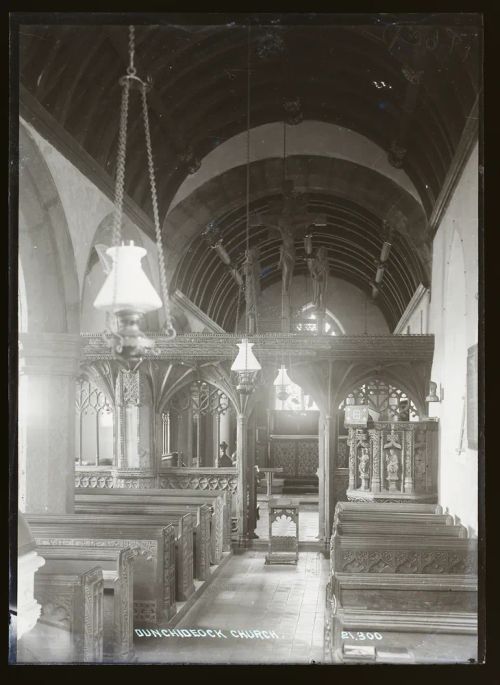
(383, 553)
(397, 513)
(219, 500)
(118, 574)
(393, 507)
(70, 628)
(182, 522)
(198, 550)
(396, 527)
(431, 617)
(154, 584)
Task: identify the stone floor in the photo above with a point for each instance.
(250, 596)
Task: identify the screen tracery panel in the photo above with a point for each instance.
(94, 425)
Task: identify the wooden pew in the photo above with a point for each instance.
(396, 527)
(184, 537)
(219, 500)
(382, 553)
(70, 628)
(389, 506)
(431, 618)
(206, 480)
(154, 583)
(118, 574)
(390, 512)
(200, 561)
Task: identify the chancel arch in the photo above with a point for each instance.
(45, 247)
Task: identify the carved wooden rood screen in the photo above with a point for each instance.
(325, 363)
(201, 405)
(94, 443)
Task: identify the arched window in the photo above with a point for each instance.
(94, 425)
(307, 321)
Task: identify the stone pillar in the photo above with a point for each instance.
(328, 477)
(134, 422)
(375, 450)
(323, 535)
(48, 367)
(242, 464)
(28, 562)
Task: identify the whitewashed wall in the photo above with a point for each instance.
(453, 319)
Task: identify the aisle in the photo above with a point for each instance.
(286, 602)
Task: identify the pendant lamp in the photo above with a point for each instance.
(127, 293)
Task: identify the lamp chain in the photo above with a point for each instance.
(238, 308)
(170, 330)
(120, 164)
(131, 70)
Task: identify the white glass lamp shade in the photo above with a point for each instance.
(282, 377)
(245, 359)
(127, 288)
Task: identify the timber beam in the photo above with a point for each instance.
(268, 346)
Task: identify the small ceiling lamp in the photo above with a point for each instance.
(282, 382)
(246, 365)
(127, 293)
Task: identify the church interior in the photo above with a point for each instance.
(248, 297)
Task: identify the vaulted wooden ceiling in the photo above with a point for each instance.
(408, 88)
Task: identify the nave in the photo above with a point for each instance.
(249, 350)
(249, 596)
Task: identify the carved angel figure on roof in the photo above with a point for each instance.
(318, 268)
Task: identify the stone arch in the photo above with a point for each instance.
(48, 266)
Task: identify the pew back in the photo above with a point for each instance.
(154, 568)
(431, 618)
(170, 513)
(118, 573)
(71, 596)
(393, 527)
(220, 500)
